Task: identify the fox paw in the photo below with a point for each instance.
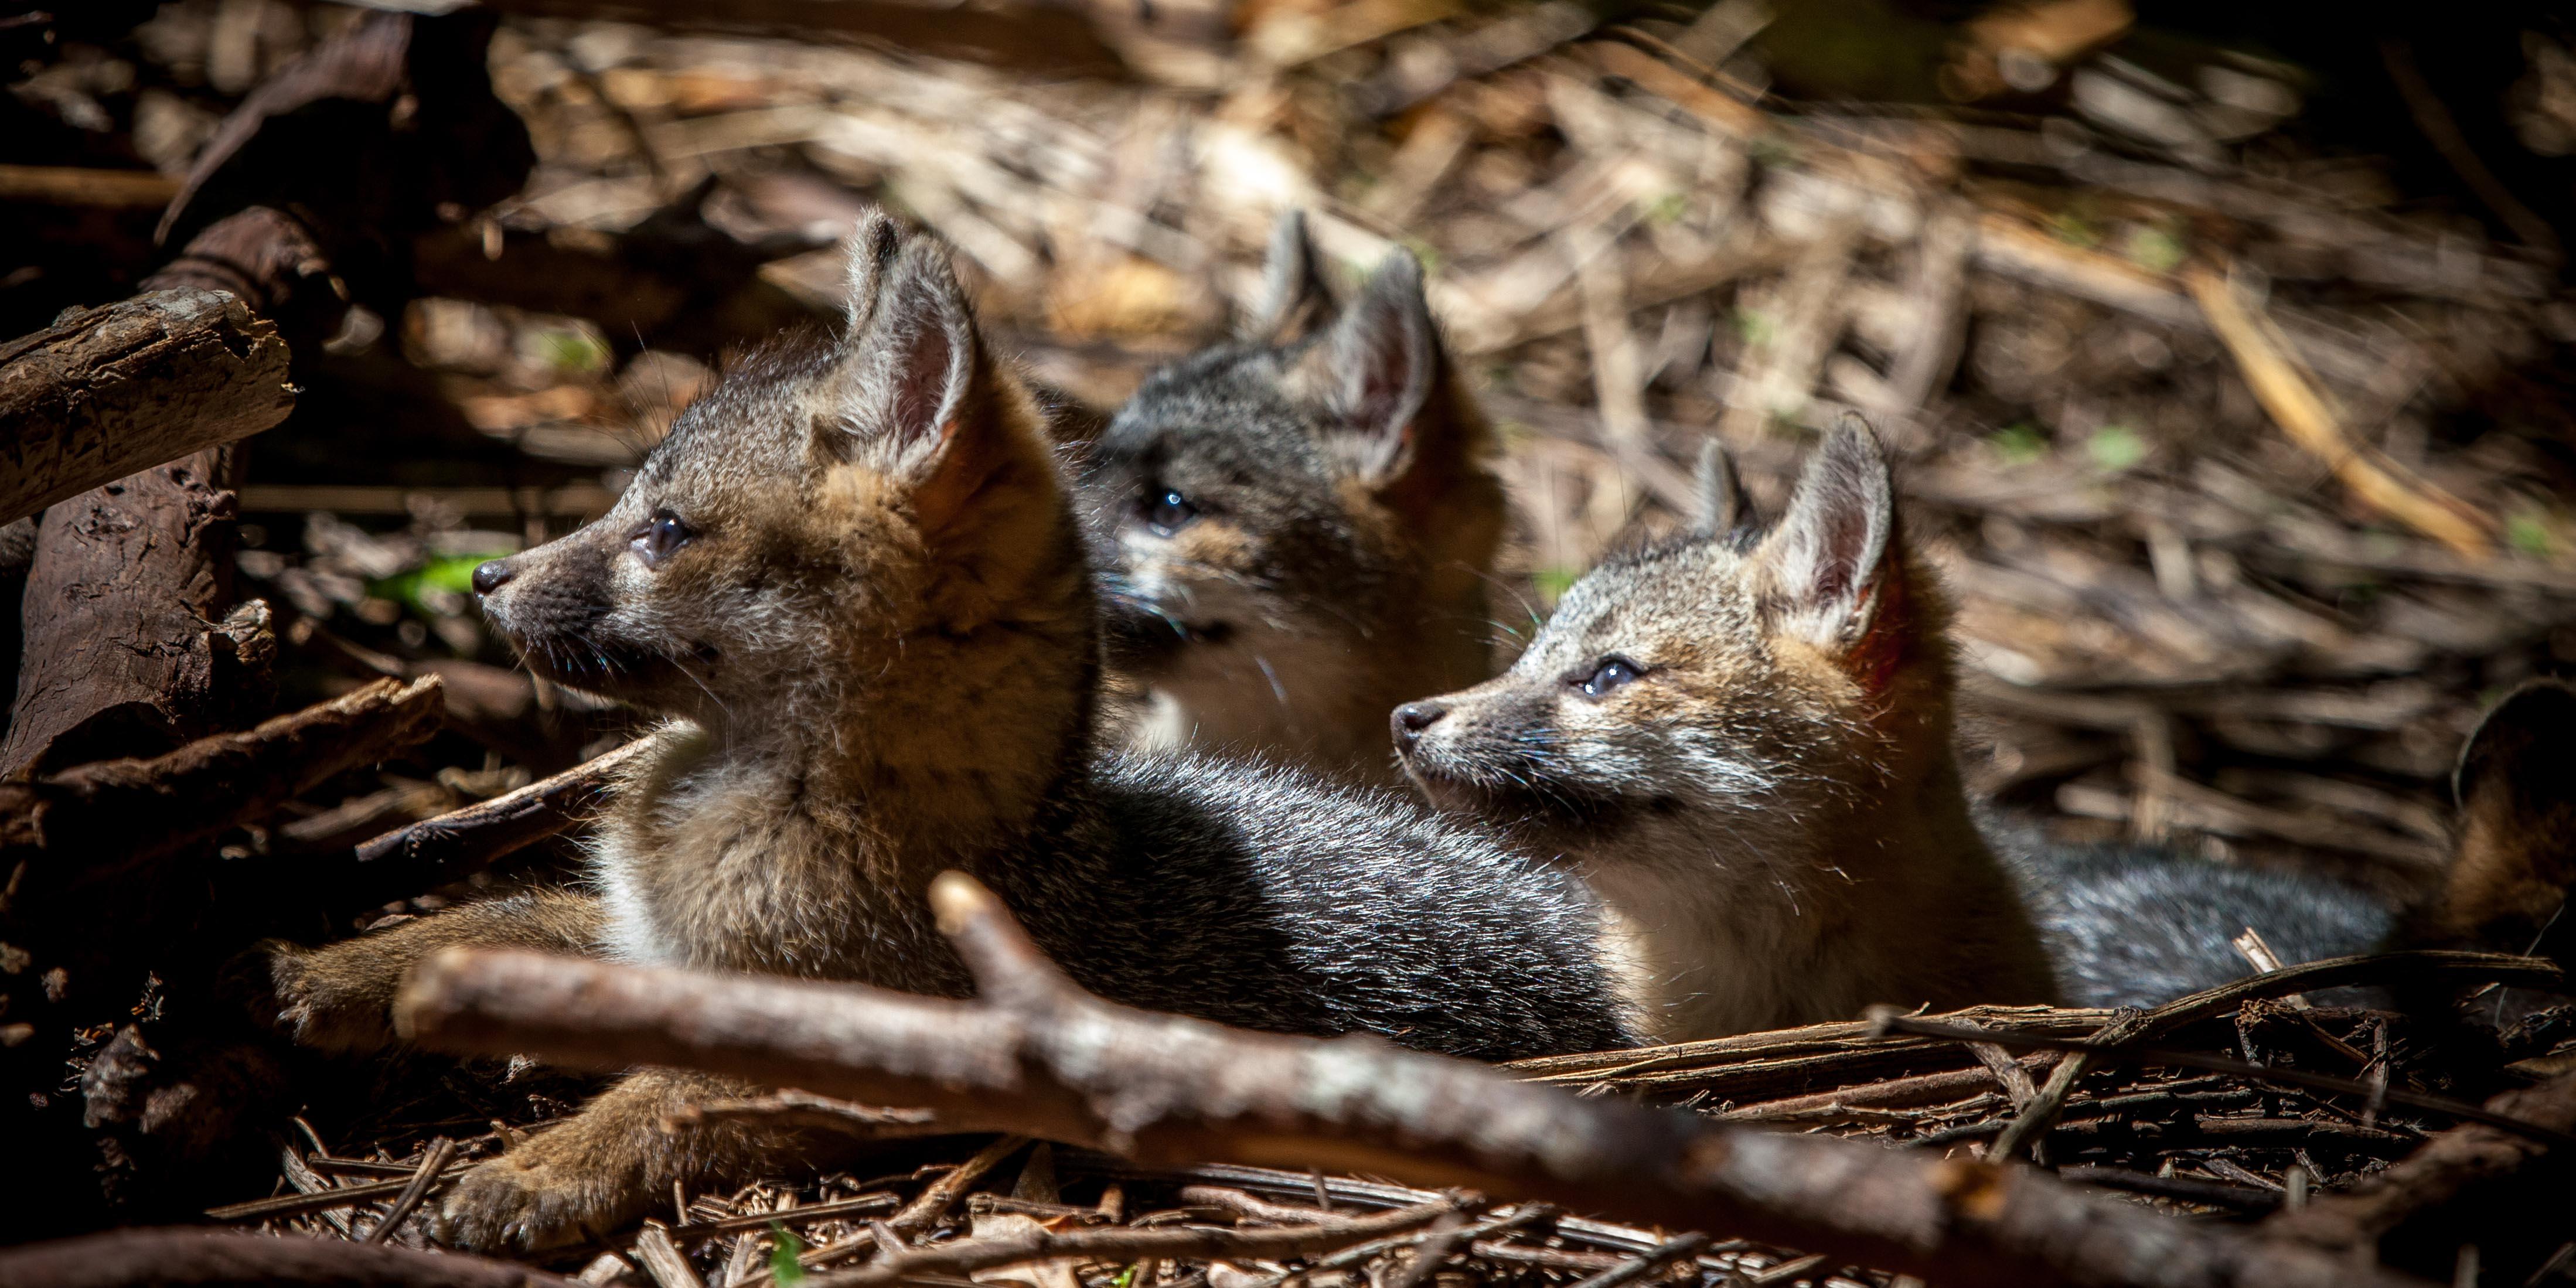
(526, 1200)
(312, 996)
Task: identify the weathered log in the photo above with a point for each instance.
(110, 816)
(210, 1258)
(128, 646)
(108, 391)
(271, 261)
(1037, 1055)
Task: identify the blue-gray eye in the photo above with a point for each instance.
(659, 537)
(1610, 673)
(1167, 511)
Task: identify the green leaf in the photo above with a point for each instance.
(1754, 326)
(2115, 448)
(2528, 532)
(2018, 443)
(451, 573)
(784, 1249)
(572, 351)
(1554, 582)
(2153, 249)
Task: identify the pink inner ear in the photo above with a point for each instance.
(921, 380)
(1383, 372)
(1841, 546)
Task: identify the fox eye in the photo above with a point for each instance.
(660, 535)
(1610, 673)
(1167, 511)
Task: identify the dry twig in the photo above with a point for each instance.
(1036, 1054)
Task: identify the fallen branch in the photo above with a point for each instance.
(2539, 1132)
(2421, 966)
(210, 1258)
(1124, 1243)
(77, 186)
(129, 650)
(112, 816)
(1037, 1055)
(2295, 403)
(2433, 1177)
(804, 1109)
(107, 391)
(459, 843)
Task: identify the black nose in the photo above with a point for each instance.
(1414, 717)
(490, 575)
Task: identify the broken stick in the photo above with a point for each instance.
(1035, 1054)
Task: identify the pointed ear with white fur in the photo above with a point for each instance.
(1293, 297)
(1829, 566)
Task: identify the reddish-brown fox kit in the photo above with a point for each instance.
(1743, 742)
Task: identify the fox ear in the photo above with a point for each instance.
(1293, 298)
(2515, 861)
(868, 254)
(1826, 571)
(1724, 509)
(1379, 372)
(913, 393)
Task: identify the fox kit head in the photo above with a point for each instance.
(2515, 863)
(1297, 526)
(862, 526)
(1724, 680)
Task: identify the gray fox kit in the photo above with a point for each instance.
(853, 577)
(1296, 529)
(2135, 926)
(1743, 742)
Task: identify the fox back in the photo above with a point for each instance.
(1742, 741)
(1297, 529)
(2139, 925)
(853, 576)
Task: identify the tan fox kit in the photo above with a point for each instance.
(1744, 744)
(853, 575)
(1297, 529)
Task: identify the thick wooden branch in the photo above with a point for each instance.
(129, 649)
(110, 816)
(105, 392)
(1035, 1054)
(209, 1258)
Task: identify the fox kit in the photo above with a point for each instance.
(1742, 741)
(2135, 926)
(1297, 528)
(852, 577)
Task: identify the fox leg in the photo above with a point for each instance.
(340, 997)
(607, 1165)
